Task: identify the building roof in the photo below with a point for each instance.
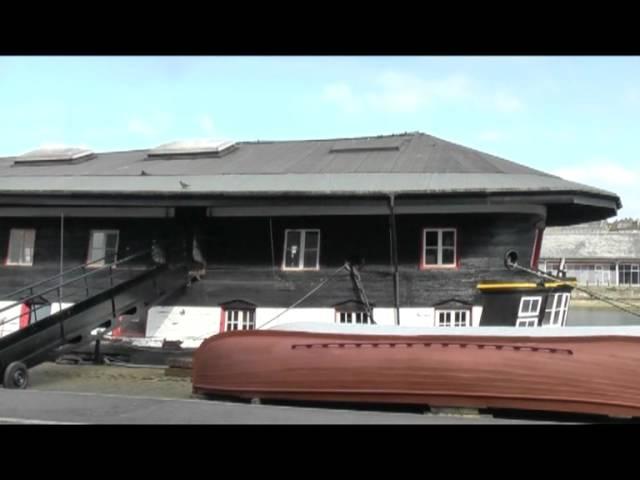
(591, 242)
(411, 163)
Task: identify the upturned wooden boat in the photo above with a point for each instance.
(581, 370)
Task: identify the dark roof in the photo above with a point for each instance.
(411, 163)
(407, 153)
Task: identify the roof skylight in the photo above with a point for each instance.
(368, 145)
(191, 148)
(54, 155)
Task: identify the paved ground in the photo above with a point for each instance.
(123, 395)
(35, 407)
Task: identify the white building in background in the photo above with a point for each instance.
(597, 254)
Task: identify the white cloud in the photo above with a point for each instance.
(400, 92)
(491, 135)
(341, 95)
(149, 126)
(632, 95)
(507, 102)
(206, 123)
(613, 177)
(137, 125)
(601, 173)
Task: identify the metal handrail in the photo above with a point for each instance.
(57, 287)
(49, 279)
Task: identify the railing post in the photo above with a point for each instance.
(59, 297)
(86, 283)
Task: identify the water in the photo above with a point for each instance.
(595, 316)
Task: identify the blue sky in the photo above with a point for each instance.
(577, 117)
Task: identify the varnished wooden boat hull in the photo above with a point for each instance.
(596, 374)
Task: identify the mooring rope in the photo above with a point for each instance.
(307, 295)
(611, 301)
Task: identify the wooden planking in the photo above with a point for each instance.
(239, 259)
(134, 235)
(239, 255)
(595, 374)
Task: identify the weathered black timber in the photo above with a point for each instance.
(240, 266)
(239, 262)
(134, 235)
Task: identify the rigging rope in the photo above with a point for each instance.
(307, 295)
(611, 301)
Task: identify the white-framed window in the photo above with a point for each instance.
(590, 274)
(301, 249)
(527, 322)
(21, 243)
(528, 311)
(103, 247)
(239, 319)
(453, 318)
(439, 247)
(629, 274)
(555, 315)
(352, 317)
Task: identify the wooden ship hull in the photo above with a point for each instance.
(577, 374)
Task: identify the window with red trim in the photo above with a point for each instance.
(439, 247)
(238, 315)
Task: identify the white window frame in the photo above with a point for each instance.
(240, 319)
(449, 318)
(440, 248)
(629, 268)
(303, 237)
(12, 236)
(529, 317)
(99, 263)
(558, 309)
(527, 322)
(359, 317)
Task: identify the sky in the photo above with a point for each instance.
(576, 117)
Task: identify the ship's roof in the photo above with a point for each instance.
(404, 164)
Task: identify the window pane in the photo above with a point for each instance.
(447, 256)
(448, 238)
(310, 258)
(431, 239)
(292, 249)
(29, 237)
(98, 240)
(110, 256)
(29, 240)
(27, 256)
(431, 256)
(311, 240)
(15, 245)
(111, 240)
(21, 246)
